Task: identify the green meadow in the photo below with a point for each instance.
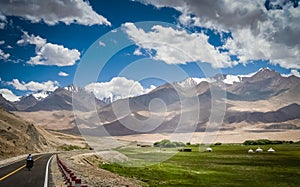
(226, 165)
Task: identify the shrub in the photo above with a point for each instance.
(168, 144)
(264, 142)
(179, 144)
(156, 144)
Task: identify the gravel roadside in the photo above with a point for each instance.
(85, 166)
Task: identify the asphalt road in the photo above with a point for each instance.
(17, 175)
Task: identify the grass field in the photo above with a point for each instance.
(227, 165)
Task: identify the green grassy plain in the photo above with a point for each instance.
(227, 165)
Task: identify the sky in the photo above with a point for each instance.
(129, 47)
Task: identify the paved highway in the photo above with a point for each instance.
(17, 175)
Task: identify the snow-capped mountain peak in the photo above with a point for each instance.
(263, 73)
(266, 69)
(41, 95)
(194, 81)
(72, 88)
(188, 82)
(230, 79)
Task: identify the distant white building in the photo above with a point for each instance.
(209, 149)
(259, 150)
(250, 151)
(271, 150)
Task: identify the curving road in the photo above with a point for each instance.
(17, 175)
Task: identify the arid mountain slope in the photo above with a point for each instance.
(18, 136)
(266, 97)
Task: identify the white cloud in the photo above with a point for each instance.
(102, 44)
(258, 32)
(53, 54)
(199, 80)
(295, 72)
(9, 95)
(53, 11)
(230, 79)
(177, 46)
(38, 41)
(3, 21)
(34, 86)
(137, 52)
(3, 55)
(2, 42)
(117, 88)
(48, 53)
(63, 74)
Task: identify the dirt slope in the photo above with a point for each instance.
(18, 136)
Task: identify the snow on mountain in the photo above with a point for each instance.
(9, 95)
(193, 81)
(227, 79)
(6, 104)
(41, 95)
(293, 72)
(189, 82)
(112, 98)
(72, 88)
(199, 80)
(265, 69)
(230, 79)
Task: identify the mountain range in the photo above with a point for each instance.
(264, 97)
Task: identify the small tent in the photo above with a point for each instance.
(271, 150)
(209, 149)
(259, 150)
(250, 151)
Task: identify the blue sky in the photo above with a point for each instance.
(49, 44)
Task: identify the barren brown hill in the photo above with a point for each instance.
(18, 136)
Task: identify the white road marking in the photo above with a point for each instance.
(46, 174)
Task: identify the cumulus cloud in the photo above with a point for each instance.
(2, 42)
(177, 46)
(31, 39)
(53, 54)
(3, 21)
(53, 11)
(260, 30)
(34, 86)
(9, 95)
(63, 74)
(117, 88)
(137, 52)
(3, 55)
(102, 44)
(48, 53)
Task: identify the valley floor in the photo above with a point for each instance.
(226, 165)
(236, 136)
